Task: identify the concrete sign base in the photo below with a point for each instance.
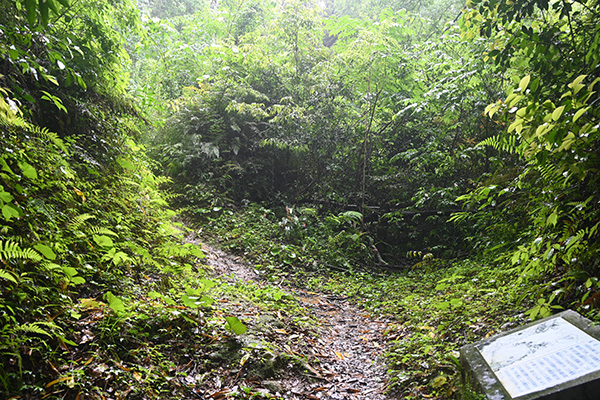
(556, 358)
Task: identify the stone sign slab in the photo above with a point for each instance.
(554, 358)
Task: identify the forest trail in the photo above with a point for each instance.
(343, 354)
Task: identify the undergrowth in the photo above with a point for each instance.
(436, 306)
(99, 296)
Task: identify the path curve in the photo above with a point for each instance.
(345, 361)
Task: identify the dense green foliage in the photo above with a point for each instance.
(370, 113)
(455, 143)
(388, 113)
(85, 232)
(551, 123)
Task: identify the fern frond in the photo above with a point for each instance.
(9, 276)
(11, 250)
(80, 220)
(44, 134)
(159, 180)
(353, 216)
(10, 118)
(98, 230)
(550, 173)
(35, 328)
(507, 143)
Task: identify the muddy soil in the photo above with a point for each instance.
(342, 355)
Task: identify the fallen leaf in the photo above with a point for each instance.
(221, 394)
(54, 382)
(439, 381)
(314, 371)
(89, 303)
(88, 361)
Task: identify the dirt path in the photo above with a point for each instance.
(344, 359)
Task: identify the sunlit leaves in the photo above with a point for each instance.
(556, 114)
(10, 212)
(103, 240)
(556, 125)
(114, 302)
(28, 170)
(524, 83)
(235, 325)
(46, 251)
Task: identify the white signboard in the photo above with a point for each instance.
(541, 356)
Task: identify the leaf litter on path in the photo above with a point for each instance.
(340, 357)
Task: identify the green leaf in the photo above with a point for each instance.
(64, 339)
(28, 170)
(126, 164)
(197, 301)
(6, 197)
(31, 7)
(552, 219)
(81, 82)
(46, 251)
(44, 11)
(524, 83)
(103, 240)
(77, 280)
(52, 6)
(9, 212)
(115, 303)
(576, 84)
(14, 54)
(189, 301)
(5, 166)
(456, 302)
(206, 301)
(9, 276)
(207, 284)
(70, 272)
(154, 295)
(579, 113)
(557, 113)
(235, 325)
(197, 252)
(567, 142)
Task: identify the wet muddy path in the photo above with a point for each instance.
(342, 355)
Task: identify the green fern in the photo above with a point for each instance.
(80, 220)
(36, 328)
(10, 250)
(353, 216)
(506, 143)
(98, 230)
(9, 276)
(550, 173)
(44, 134)
(9, 118)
